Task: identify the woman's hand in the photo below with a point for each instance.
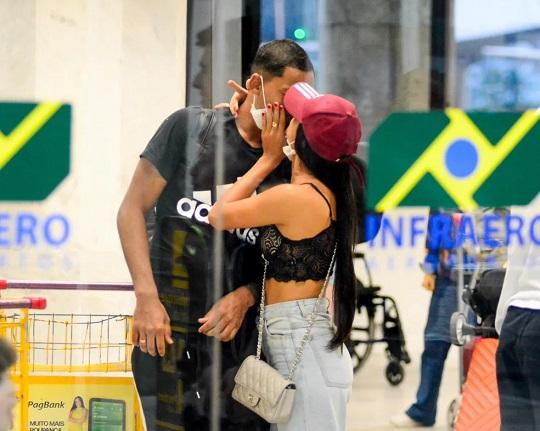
(273, 132)
(240, 93)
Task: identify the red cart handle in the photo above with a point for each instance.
(37, 303)
(33, 303)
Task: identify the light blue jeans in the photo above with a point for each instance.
(323, 378)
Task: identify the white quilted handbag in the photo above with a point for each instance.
(262, 388)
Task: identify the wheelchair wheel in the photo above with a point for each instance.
(359, 343)
(394, 372)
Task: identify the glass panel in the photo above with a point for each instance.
(496, 69)
(87, 85)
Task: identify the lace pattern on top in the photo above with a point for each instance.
(298, 260)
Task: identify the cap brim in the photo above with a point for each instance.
(294, 103)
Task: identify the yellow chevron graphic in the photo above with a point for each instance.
(11, 144)
(432, 160)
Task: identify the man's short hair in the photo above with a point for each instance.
(7, 356)
(273, 57)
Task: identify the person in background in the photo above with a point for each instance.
(446, 232)
(518, 324)
(438, 264)
(8, 398)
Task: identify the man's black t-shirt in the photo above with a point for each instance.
(183, 151)
(188, 167)
(191, 170)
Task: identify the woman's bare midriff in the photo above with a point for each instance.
(278, 291)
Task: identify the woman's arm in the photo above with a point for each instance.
(237, 207)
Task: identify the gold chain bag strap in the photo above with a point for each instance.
(260, 387)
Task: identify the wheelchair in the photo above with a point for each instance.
(377, 321)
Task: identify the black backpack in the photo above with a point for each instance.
(485, 297)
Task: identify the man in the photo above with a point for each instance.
(173, 278)
(518, 324)
(446, 232)
(438, 265)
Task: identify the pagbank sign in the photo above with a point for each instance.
(34, 159)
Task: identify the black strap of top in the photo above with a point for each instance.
(324, 197)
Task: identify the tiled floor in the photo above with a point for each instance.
(374, 400)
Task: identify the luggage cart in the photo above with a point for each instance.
(13, 323)
(62, 345)
(479, 290)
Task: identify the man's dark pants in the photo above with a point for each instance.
(518, 370)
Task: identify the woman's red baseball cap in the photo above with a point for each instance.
(331, 124)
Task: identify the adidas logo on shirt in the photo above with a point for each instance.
(198, 208)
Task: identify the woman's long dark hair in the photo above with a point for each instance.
(338, 177)
(74, 406)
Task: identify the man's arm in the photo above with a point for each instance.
(431, 261)
(151, 324)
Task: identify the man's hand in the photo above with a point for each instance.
(151, 325)
(429, 282)
(226, 316)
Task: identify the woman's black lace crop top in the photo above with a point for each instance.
(298, 260)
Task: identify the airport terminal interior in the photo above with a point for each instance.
(112, 178)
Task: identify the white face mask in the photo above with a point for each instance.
(288, 150)
(257, 113)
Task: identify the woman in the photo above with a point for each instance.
(78, 415)
(305, 223)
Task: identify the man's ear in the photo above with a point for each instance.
(254, 83)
